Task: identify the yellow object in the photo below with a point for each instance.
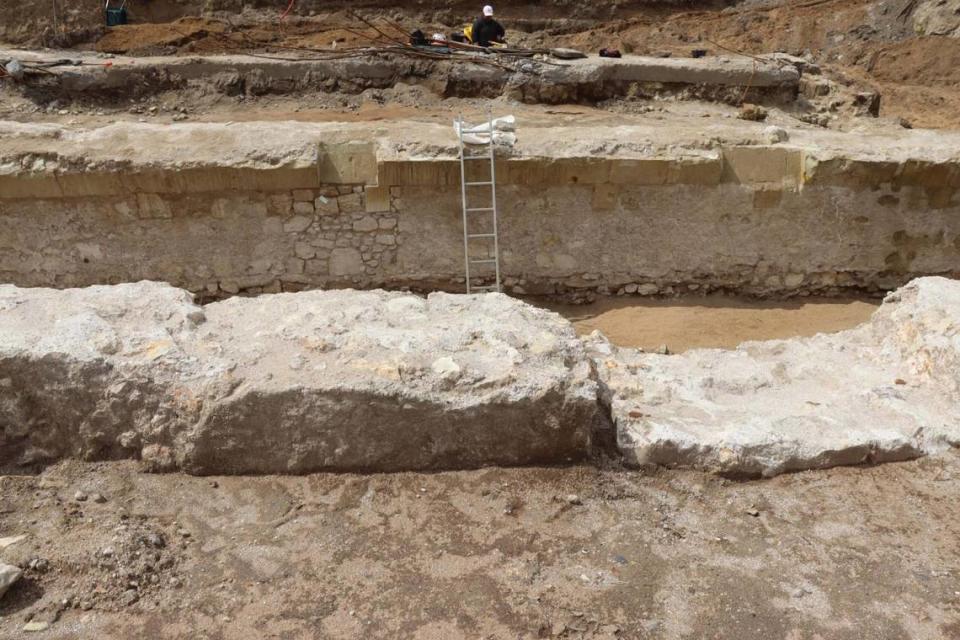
(468, 32)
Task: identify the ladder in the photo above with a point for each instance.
(481, 244)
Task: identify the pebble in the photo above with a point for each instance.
(155, 540)
(80, 496)
(129, 597)
(98, 498)
(573, 499)
(753, 512)
(36, 626)
(107, 552)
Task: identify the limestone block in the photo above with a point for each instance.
(345, 261)
(377, 199)
(303, 195)
(367, 223)
(298, 224)
(303, 208)
(887, 390)
(326, 205)
(304, 250)
(322, 380)
(351, 203)
(348, 163)
(279, 204)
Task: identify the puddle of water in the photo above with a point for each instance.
(710, 322)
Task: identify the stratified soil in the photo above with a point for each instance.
(579, 552)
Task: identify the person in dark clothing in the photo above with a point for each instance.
(486, 30)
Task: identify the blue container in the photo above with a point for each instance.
(116, 17)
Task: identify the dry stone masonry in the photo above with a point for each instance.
(270, 207)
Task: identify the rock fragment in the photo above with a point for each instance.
(9, 574)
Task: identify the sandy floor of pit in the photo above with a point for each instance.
(710, 322)
(853, 553)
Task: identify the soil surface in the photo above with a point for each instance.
(577, 552)
(710, 322)
(862, 44)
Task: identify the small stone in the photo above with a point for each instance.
(107, 552)
(129, 597)
(648, 289)
(752, 112)
(36, 625)
(86, 605)
(903, 122)
(573, 499)
(98, 498)
(754, 513)
(175, 582)
(663, 350)
(184, 533)
(154, 540)
(80, 496)
(446, 368)
(776, 134)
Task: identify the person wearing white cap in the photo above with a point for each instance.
(486, 30)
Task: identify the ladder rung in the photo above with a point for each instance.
(482, 235)
(481, 209)
(483, 261)
(484, 157)
(478, 184)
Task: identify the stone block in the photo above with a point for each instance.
(367, 223)
(327, 205)
(345, 261)
(297, 224)
(303, 208)
(351, 203)
(304, 250)
(377, 199)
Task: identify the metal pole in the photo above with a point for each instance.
(463, 196)
(493, 203)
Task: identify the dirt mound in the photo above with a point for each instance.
(931, 61)
(145, 37)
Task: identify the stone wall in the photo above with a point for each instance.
(761, 220)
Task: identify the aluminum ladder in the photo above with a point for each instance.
(479, 229)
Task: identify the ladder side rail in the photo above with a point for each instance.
(463, 195)
(493, 205)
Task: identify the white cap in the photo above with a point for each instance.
(488, 10)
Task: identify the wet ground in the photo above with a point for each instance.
(711, 321)
(579, 552)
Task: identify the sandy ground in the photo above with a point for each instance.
(579, 552)
(710, 322)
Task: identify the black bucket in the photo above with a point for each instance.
(116, 17)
